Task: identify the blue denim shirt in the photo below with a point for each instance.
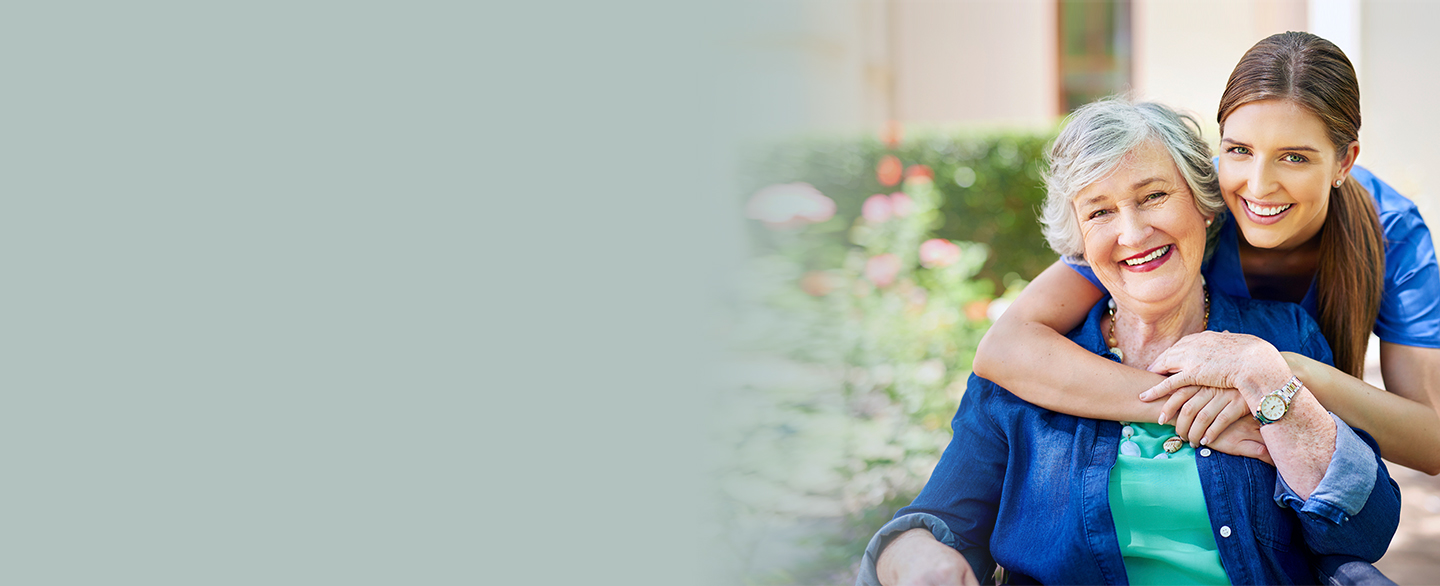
(1028, 488)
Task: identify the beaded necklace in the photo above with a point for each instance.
(1128, 446)
(1115, 346)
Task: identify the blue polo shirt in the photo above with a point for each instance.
(1410, 303)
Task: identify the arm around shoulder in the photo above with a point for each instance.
(1075, 381)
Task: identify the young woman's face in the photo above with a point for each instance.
(1277, 166)
(1143, 235)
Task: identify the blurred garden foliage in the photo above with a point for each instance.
(988, 187)
(876, 266)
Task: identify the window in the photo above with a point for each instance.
(1094, 50)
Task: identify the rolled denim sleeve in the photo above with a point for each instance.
(1345, 488)
(1356, 507)
(889, 532)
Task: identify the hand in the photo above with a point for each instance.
(915, 558)
(1221, 360)
(1203, 413)
(1243, 438)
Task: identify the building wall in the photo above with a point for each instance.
(1185, 49)
(983, 61)
(845, 64)
(1400, 130)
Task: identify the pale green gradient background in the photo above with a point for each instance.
(360, 293)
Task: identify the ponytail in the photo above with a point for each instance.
(1351, 276)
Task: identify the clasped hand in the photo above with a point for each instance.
(1215, 382)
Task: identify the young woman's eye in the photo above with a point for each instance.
(1239, 150)
(1295, 158)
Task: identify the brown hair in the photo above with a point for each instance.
(1315, 74)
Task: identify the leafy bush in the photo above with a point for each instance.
(873, 279)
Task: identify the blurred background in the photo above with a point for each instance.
(886, 184)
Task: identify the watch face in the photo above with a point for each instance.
(1272, 408)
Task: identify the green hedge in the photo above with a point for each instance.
(990, 187)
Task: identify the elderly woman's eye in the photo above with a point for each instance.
(1155, 196)
(1097, 213)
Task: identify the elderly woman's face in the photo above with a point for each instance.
(1143, 235)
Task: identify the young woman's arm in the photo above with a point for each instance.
(1027, 353)
(1403, 421)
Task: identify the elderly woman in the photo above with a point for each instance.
(1069, 500)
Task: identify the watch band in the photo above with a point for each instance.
(1291, 387)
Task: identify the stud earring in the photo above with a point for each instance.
(1208, 222)
(1339, 181)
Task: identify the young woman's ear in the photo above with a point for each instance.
(1347, 162)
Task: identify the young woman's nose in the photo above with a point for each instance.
(1260, 181)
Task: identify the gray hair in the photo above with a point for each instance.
(1095, 140)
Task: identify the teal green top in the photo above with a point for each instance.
(1159, 509)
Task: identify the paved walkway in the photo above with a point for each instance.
(1414, 555)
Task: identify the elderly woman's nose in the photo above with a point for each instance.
(1135, 228)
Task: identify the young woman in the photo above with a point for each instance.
(1306, 226)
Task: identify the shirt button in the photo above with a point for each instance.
(1225, 531)
(1205, 452)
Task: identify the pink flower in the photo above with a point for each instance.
(889, 170)
(901, 204)
(817, 283)
(882, 269)
(936, 253)
(788, 205)
(876, 209)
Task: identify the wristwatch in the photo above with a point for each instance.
(1274, 405)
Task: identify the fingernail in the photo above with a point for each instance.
(1205, 441)
(1161, 421)
(1193, 445)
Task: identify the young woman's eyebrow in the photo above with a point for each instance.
(1306, 149)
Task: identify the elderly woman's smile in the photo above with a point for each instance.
(1146, 262)
(1141, 230)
